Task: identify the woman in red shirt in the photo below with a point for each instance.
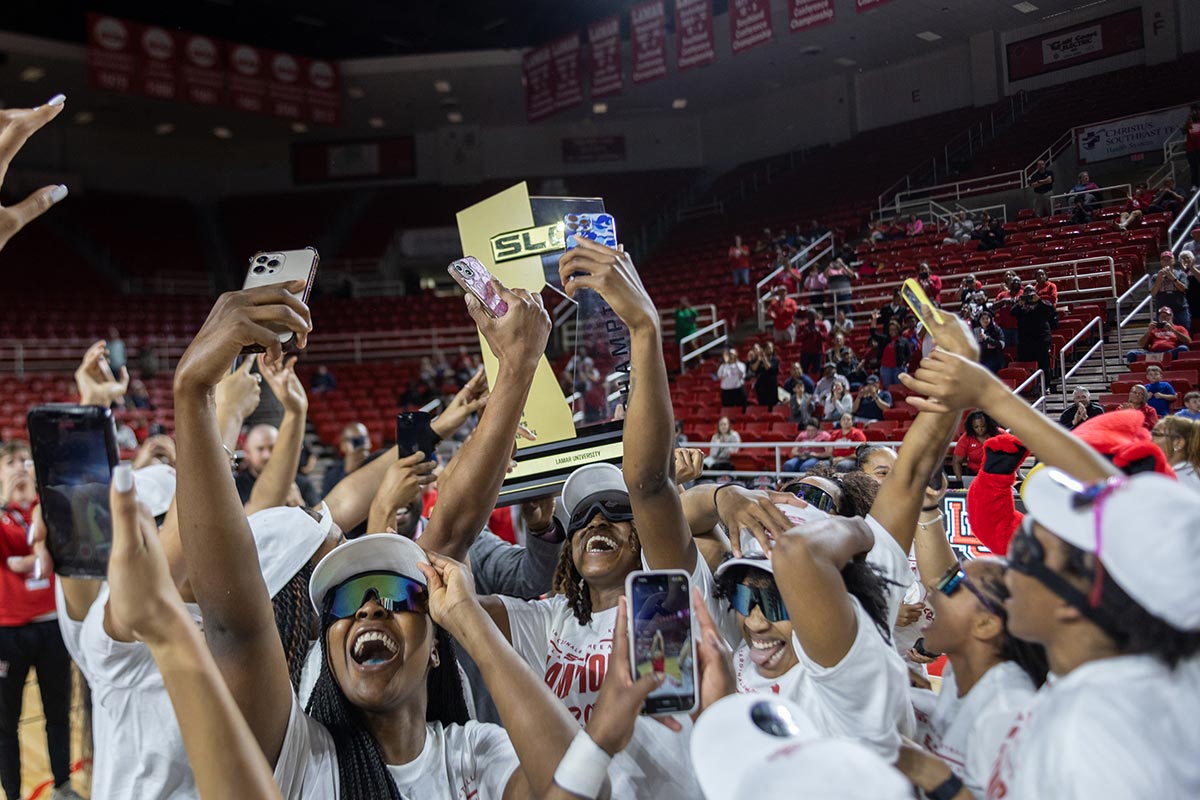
(843, 457)
(979, 428)
(1137, 401)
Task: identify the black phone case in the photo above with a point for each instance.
(414, 431)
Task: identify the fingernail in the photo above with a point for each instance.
(58, 192)
(123, 478)
(57, 100)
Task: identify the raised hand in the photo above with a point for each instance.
(538, 513)
(250, 317)
(611, 274)
(754, 512)
(238, 392)
(401, 487)
(16, 126)
(621, 697)
(951, 334)
(689, 463)
(470, 398)
(452, 600)
(285, 385)
(94, 378)
(519, 337)
(949, 383)
(158, 449)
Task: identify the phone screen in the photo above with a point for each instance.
(74, 452)
(661, 639)
(600, 228)
(414, 431)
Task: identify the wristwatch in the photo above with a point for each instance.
(947, 789)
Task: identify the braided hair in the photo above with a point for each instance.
(294, 619)
(568, 581)
(362, 770)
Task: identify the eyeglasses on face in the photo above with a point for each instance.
(955, 578)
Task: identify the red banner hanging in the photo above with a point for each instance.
(321, 95)
(648, 35)
(604, 37)
(693, 33)
(749, 24)
(805, 14)
(247, 78)
(112, 57)
(159, 61)
(565, 54)
(285, 91)
(202, 80)
(866, 5)
(538, 73)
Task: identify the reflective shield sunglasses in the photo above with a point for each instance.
(613, 506)
(744, 598)
(393, 592)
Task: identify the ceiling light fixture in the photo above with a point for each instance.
(928, 36)
(221, 132)
(299, 127)
(599, 108)
(164, 128)
(845, 62)
(679, 103)
(32, 74)
(376, 122)
(1025, 8)
(442, 86)
(83, 117)
(454, 117)
(356, 92)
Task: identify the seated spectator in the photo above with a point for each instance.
(685, 320)
(1138, 401)
(974, 305)
(323, 380)
(1138, 203)
(841, 322)
(822, 323)
(1170, 288)
(838, 404)
(801, 406)
(1002, 307)
(842, 356)
(1082, 409)
(970, 285)
(764, 369)
(871, 401)
(796, 376)
(838, 277)
(991, 342)
(968, 451)
(1160, 394)
(843, 457)
(719, 457)
(914, 226)
(960, 229)
(991, 234)
(1045, 288)
(1168, 199)
(1193, 246)
(824, 388)
(732, 376)
(1163, 336)
(805, 458)
(1082, 197)
(931, 284)
(782, 313)
(1191, 407)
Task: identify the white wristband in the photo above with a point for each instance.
(584, 767)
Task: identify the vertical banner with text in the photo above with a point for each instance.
(648, 36)
(539, 83)
(694, 33)
(566, 54)
(321, 94)
(202, 79)
(159, 56)
(247, 78)
(749, 24)
(112, 59)
(805, 14)
(604, 38)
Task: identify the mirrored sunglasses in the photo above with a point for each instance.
(393, 592)
(815, 496)
(744, 598)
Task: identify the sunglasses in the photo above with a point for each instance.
(393, 592)
(1027, 556)
(744, 598)
(956, 577)
(814, 496)
(613, 506)
(357, 441)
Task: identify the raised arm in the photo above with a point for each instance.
(649, 463)
(401, 487)
(272, 487)
(239, 622)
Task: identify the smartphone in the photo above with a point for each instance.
(916, 298)
(601, 228)
(474, 277)
(74, 453)
(414, 431)
(661, 638)
(282, 266)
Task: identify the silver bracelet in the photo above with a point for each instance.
(936, 521)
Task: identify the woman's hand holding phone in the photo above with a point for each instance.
(519, 337)
(621, 698)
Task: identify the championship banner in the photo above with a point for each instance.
(247, 78)
(285, 93)
(520, 240)
(694, 33)
(648, 37)
(749, 24)
(805, 14)
(202, 80)
(604, 40)
(1117, 138)
(322, 97)
(1077, 44)
(566, 54)
(112, 57)
(159, 63)
(539, 83)
(862, 6)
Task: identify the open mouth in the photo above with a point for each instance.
(372, 648)
(599, 543)
(766, 653)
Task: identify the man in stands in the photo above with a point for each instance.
(882, 316)
(1002, 307)
(824, 387)
(871, 401)
(1082, 409)
(260, 442)
(323, 380)
(1163, 336)
(739, 262)
(1046, 288)
(1033, 315)
(1170, 288)
(782, 311)
(930, 283)
(685, 320)
(355, 448)
(1191, 407)
(797, 375)
(1194, 245)
(1160, 394)
(1082, 196)
(1042, 183)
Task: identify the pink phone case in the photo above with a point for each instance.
(475, 278)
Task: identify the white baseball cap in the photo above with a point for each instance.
(155, 486)
(286, 539)
(376, 552)
(1144, 529)
(748, 746)
(590, 480)
(752, 552)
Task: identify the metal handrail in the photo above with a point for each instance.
(763, 297)
(956, 190)
(1123, 321)
(1049, 154)
(1187, 217)
(721, 338)
(1036, 375)
(1098, 323)
(1055, 207)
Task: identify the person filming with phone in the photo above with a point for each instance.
(1034, 314)
(1162, 336)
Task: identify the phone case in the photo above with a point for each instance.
(474, 277)
(281, 266)
(414, 431)
(691, 677)
(916, 298)
(601, 228)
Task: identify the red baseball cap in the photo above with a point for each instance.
(1166, 310)
(1195, 230)
(1166, 254)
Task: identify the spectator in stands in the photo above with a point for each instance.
(1042, 183)
(991, 341)
(824, 388)
(1003, 304)
(732, 375)
(720, 457)
(801, 407)
(842, 323)
(739, 262)
(871, 401)
(839, 402)
(914, 226)
(804, 459)
(1179, 439)
(893, 351)
(685, 320)
(149, 361)
(797, 376)
(1191, 407)
(139, 396)
(812, 336)
(991, 234)
(323, 380)
(1159, 393)
(1192, 246)
(839, 276)
(1169, 287)
(1083, 198)
(764, 369)
(1191, 132)
(843, 457)
(782, 312)
(1163, 336)
(815, 284)
(1033, 315)
(1187, 262)
(968, 450)
(355, 449)
(1138, 401)
(960, 229)
(970, 285)
(1045, 288)
(1168, 199)
(930, 283)
(116, 350)
(1082, 409)
(1138, 203)
(260, 443)
(842, 356)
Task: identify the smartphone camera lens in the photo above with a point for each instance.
(259, 269)
(466, 271)
(274, 262)
(261, 259)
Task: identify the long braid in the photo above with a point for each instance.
(294, 620)
(568, 581)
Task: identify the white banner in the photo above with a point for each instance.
(1122, 137)
(1071, 44)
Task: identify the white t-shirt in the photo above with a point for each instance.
(573, 659)
(864, 696)
(459, 762)
(138, 747)
(966, 732)
(893, 563)
(1119, 727)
